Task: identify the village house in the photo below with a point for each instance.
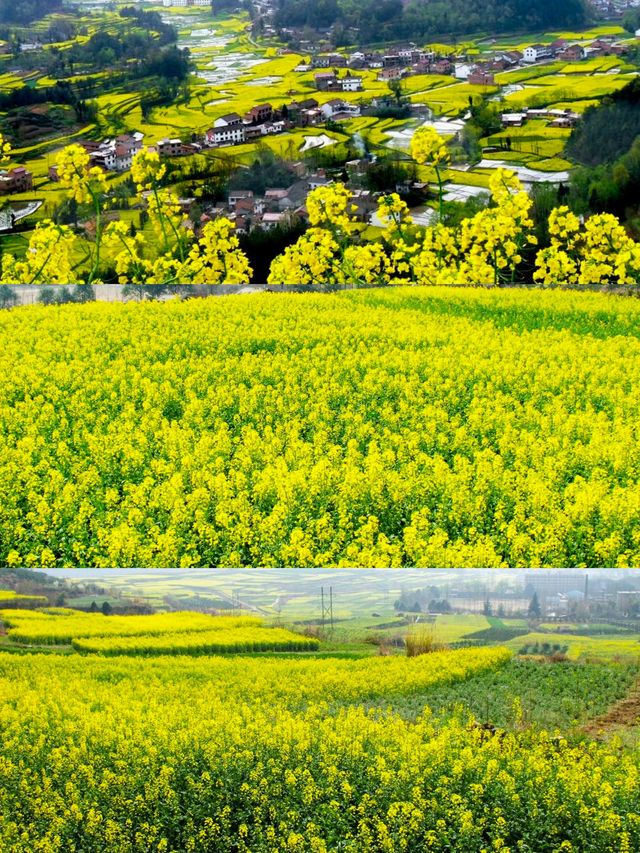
(391, 74)
(393, 60)
(558, 44)
(105, 158)
(241, 224)
(442, 66)
(113, 155)
(300, 112)
(247, 206)
(251, 132)
(274, 126)
(273, 197)
(227, 130)
(124, 158)
(17, 180)
(480, 77)
(504, 60)
(273, 220)
(364, 204)
(572, 53)
(131, 141)
(319, 179)
(406, 52)
(513, 119)
(169, 147)
(338, 109)
(351, 83)
(536, 52)
(329, 60)
(326, 81)
(238, 195)
(259, 114)
(462, 70)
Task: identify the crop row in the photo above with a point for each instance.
(37, 628)
(8, 597)
(213, 755)
(525, 692)
(202, 642)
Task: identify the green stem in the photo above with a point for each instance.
(161, 216)
(96, 261)
(438, 176)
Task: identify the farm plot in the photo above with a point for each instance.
(204, 433)
(152, 749)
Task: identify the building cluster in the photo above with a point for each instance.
(265, 119)
(392, 65)
(556, 118)
(482, 72)
(280, 206)
(330, 81)
(112, 155)
(16, 180)
(563, 594)
(404, 61)
(566, 52)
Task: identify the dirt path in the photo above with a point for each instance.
(624, 714)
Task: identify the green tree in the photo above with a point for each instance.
(534, 606)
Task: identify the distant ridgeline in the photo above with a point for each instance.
(25, 11)
(380, 20)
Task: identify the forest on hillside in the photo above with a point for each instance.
(380, 20)
(25, 11)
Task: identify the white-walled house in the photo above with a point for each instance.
(462, 70)
(226, 130)
(351, 84)
(536, 52)
(336, 106)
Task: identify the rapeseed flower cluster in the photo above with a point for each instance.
(55, 255)
(53, 626)
(494, 246)
(601, 252)
(50, 257)
(5, 150)
(485, 249)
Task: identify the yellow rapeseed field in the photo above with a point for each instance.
(221, 641)
(415, 426)
(247, 755)
(61, 625)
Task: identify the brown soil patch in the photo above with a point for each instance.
(624, 714)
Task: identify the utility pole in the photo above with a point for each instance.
(326, 609)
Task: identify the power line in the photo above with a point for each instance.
(326, 609)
